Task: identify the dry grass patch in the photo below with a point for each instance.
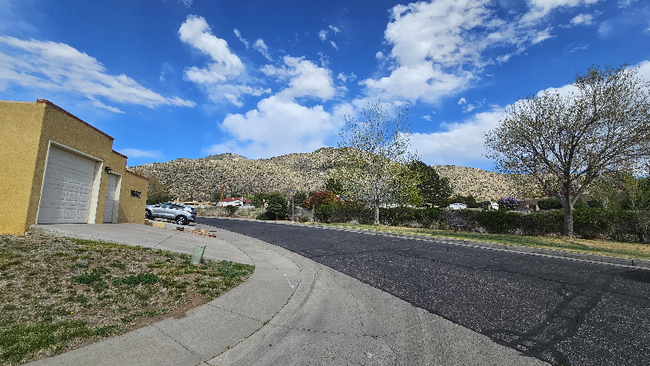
(57, 294)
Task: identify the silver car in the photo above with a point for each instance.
(182, 214)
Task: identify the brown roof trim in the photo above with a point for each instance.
(122, 155)
(45, 101)
(136, 174)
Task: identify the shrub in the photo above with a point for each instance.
(542, 223)
(551, 203)
(299, 198)
(498, 222)
(230, 210)
(324, 213)
(409, 216)
(591, 223)
(277, 207)
(509, 203)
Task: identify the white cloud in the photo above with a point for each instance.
(468, 107)
(137, 153)
(221, 78)
(582, 19)
(101, 105)
(187, 3)
(625, 3)
(578, 48)
(278, 127)
(335, 29)
(52, 66)
(440, 47)
(541, 8)
(261, 47)
(279, 124)
(459, 143)
(334, 45)
(323, 35)
(305, 79)
(344, 78)
(240, 38)
(196, 32)
(426, 81)
(542, 36)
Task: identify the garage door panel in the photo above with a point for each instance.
(67, 188)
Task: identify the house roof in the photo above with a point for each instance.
(232, 199)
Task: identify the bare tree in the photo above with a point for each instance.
(565, 142)
(373, 167)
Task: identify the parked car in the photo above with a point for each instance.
(182, 214)
(458, 206)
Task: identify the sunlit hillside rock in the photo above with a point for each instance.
(301, 172)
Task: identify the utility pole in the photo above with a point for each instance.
(292, 208)
(223, 185)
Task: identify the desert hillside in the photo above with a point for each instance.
(304, 172)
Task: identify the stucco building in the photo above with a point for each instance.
(56, 168)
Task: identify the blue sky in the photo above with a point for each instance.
(189, 78)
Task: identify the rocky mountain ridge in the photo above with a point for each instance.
(301, 172)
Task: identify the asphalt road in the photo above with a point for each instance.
(561, 311)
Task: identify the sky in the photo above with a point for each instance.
(175, 79)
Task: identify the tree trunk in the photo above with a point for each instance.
(376, 214)
(568, 216)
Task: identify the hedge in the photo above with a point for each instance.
(589, 223)
(397, 216)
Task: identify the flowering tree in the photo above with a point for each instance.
(509, 203)
(374, 165)
(566, 142)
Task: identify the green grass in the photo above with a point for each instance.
(598, 247)
(57, 293)
(19, 340)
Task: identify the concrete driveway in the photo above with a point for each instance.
(291, 311)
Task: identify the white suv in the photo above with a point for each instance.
(182, 214)
(458, 206)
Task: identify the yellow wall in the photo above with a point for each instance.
(26, 130)
(20, 132)
(132, 208)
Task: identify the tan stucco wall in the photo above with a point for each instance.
(20, 132)
(63, 128)
(132, 208)
(26, 132)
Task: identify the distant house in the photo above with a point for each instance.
(235, 201)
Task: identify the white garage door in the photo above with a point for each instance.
(67, 188)
(110, 198)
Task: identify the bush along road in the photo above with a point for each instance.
(561, 311)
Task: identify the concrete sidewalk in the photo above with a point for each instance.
(291, 311)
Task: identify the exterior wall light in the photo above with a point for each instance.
(108, 170)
